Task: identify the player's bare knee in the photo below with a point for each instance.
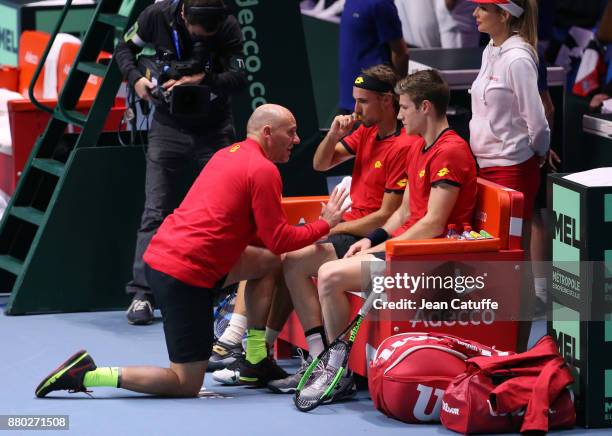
(190, 387)
(291, 263)
(189, 391)
(273, 263)
(329, 278)
(269, 262)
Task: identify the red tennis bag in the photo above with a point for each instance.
(500, 394)
(410, 372)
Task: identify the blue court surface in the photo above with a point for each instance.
(34, 345)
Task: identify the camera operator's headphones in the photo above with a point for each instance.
(221, 11)
(211, 14)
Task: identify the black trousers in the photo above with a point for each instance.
(173, 161)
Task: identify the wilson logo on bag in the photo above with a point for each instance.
(521, 392)
(410, 372)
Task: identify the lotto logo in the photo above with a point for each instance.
(31, 58)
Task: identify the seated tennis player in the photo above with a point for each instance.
(379, 148)
(441, 190)
(203, 246)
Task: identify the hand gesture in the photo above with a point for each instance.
(342, 125)
(597, 101)
(194, 79)
(142, 87)
(332, 211)
(358, 247)
(553, 160)
(542, 160)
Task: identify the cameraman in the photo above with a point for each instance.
(177, 140)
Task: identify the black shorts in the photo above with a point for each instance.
(380, 255)
(187, 313)
(341, 242)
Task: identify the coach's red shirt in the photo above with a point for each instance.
(236, 196)
(379, 167)
(448, 160)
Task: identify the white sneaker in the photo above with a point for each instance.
(227, 376)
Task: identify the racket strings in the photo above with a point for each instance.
(321, 379)
(223, 316)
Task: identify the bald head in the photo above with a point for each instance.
(274, 128)
(272, 115)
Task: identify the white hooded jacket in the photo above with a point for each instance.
(508, 124)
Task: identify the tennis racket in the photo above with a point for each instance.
(324, 373)
(223, 314)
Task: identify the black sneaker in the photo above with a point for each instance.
(261, 373)
(288, 385)
(140, 311)
(68, 376)
(223, 355)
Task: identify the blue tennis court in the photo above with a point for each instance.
(33, 345)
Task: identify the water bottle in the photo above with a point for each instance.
(452, 232)
(486, 234)
(467, 228)
(476, 235)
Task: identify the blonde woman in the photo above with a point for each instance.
(509, 134)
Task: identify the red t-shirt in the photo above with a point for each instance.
(379, 167)
(448, 160)
(236, 197)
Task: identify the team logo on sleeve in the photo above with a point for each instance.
(378, 164)
(402, 183)
(421, 173)
(131, 32)
(235, 148)
(444, 171)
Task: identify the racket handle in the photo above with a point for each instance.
(368, 303)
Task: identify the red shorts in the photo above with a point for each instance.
(524, 177)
